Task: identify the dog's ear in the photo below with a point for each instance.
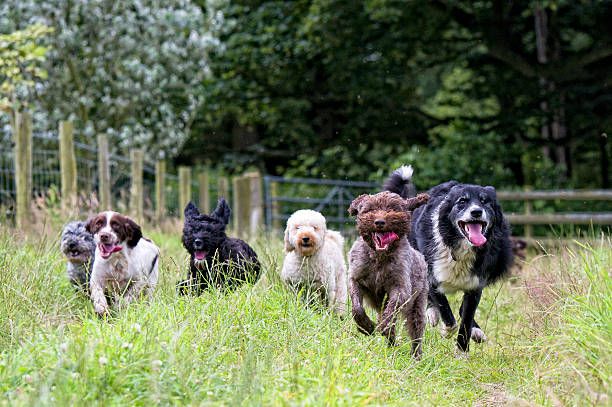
(499, 214)
(222, 212)
(88, 224)
(419, 200)
(191, 210)
(133, 231)
(355, 207)
(491, 191)
(288, 246)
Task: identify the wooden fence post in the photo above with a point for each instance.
(274, 192)
(223, 188)
(242, 205)
(137, 189)
(23, 167)
(256, 201)
(528, 211)
(203, 187)
(184, 188)
(160, 190)
(104, 173)
(68, 167)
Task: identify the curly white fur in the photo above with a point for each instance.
(315, 258)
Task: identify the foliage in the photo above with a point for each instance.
(297, 83)
(130, 69)
(21, 58)
(305, 76)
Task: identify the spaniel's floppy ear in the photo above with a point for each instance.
(288, 246)
(353, 210)
(134, 232)
(222, 212)
(419, 200)
(191, 210)
(88, 223)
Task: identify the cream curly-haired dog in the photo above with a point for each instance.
(315, 259)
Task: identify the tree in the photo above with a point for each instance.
(130, 69)
(295, 79)
(547, 62)
(21, 58)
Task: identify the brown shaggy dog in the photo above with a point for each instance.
(384, 270)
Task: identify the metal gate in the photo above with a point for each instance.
(283, 196)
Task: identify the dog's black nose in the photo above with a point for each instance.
(305, 239)
(71, 245)
(476, 213)
(198, 243)
(380, 223)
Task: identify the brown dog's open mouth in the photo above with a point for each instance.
(382, 240)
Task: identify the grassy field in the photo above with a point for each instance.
(549, 330)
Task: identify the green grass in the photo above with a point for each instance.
(550, 336)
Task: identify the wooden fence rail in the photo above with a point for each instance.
(529, 219)
(562, 195)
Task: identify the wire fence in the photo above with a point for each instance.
(7, 175)
(46, 175)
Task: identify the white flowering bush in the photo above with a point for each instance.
(132, 69)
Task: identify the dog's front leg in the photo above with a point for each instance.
(133, 290)
(468, 309)
(388, 318)
(364, 323)
(478, 334)
(98, 298)
(440, 302)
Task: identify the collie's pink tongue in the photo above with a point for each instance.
(388, 237)
(199, 254)
(474, 231)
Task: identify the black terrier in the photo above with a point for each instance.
(216, 260)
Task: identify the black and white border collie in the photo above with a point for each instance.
(465, 239)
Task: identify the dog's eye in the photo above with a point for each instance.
(315, 227)
(462, 201)
(297, 228)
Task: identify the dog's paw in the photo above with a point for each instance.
(448, 331)
(433, 316)
(101, 311)
(461, 354)
(478, 335)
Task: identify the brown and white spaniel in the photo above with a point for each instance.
(125, 264)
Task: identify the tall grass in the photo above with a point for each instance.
(260, 345)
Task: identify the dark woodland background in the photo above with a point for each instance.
(507, 93)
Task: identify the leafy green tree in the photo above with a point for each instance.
(22, 55)
(295, 79)
(132, 69)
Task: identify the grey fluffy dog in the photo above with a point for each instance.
(384, 270)
(78, 246)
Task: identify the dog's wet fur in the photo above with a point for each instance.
(215, 259)
(465, 239)
(385, 272)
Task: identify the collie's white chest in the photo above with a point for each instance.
(455, 275)
(453, 271)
